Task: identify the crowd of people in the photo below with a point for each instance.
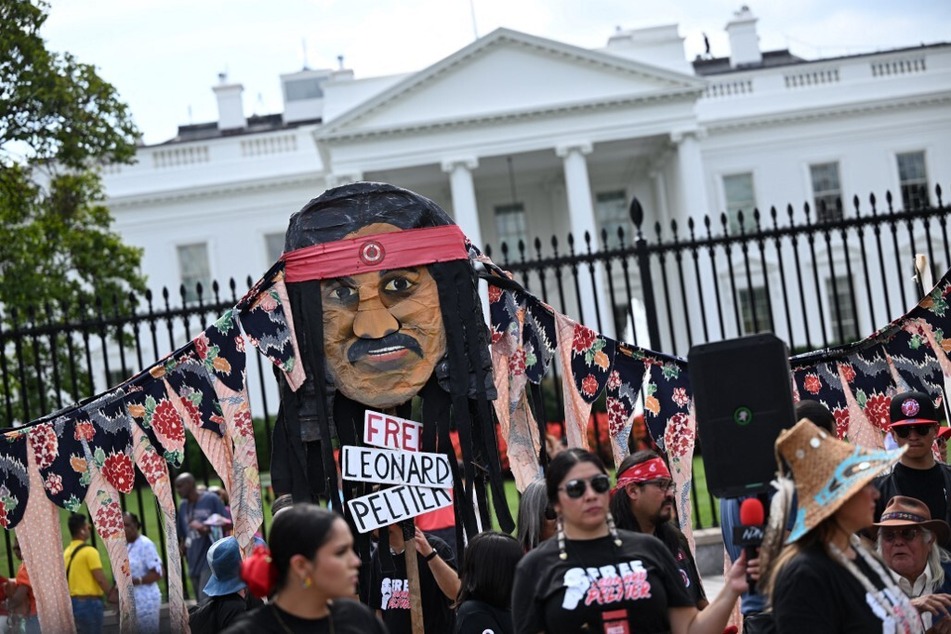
(860, 547)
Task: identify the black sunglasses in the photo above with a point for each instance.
(902, 431)
(576, 488)
(907, 534)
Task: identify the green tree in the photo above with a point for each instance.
(60, 262)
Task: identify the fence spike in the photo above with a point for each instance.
(637, 212)
(937, 191)
(855, 205)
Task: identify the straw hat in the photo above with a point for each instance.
(906, 511)
(827, 471)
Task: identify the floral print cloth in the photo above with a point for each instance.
(265, 316)
(857, 381)
(38, 529)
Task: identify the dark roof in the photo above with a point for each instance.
(721, 65)
(255, 124)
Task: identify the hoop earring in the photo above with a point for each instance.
(613, 529)
(562, 553)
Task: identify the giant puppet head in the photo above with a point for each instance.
(385, 303)
(372, 246)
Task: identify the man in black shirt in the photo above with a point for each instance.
(438, 581)
(914, 424)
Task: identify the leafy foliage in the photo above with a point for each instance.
(60, 123)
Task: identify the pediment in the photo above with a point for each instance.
(505, 74)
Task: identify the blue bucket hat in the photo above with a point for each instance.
(224, 559)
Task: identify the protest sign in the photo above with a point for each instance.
(383, 466)
(392, 432)
(393, 505)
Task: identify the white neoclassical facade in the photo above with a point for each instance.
(519, 137)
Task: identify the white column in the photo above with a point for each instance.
(464, 207)
(694, 203)
(582, 219)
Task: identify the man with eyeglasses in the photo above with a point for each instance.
(914, 425)
(907, 539)
(643, 501)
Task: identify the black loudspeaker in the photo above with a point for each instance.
(742, 391)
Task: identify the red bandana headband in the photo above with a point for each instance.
(397, 250)
(653, 469)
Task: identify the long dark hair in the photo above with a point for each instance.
(488, 569)
(623, 515)
(561, 464)
(298, 530)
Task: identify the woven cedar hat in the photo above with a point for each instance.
(906, 511)
(912, 408)
(827, 471)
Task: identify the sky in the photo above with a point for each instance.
(164, 56)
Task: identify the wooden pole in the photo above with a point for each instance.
(412, 575)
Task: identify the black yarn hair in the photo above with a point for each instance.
(460, 389)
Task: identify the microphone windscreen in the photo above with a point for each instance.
(751, 512)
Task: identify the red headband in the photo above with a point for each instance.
(652, 469)
(397, 250)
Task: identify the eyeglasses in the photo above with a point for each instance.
(663, 485)
(906, 534)
(576, 488)
(902, 431)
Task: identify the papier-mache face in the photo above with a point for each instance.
(383, 331)
(371, 246)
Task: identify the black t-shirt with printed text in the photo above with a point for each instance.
(817, 595)
(598, 586)
(389, 591)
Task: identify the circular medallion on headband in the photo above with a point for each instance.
(910, 407)
(372, 252)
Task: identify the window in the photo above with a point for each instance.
(913, 178)
(274, 244)
(738, 191)
(301, 89)
(510, 225)
(610, 208)
(194, 268)
(756, 298)
(826, 191)
(844, 322)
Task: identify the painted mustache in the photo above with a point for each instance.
(365, 347)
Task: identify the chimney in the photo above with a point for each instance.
(230, 106)
(744, 42)
(659, 45)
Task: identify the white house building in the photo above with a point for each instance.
(520, 137)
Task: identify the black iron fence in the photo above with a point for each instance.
(677, 283)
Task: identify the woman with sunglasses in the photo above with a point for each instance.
(643, 501)
(594, 577)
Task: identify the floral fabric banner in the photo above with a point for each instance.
(265, 316)
(15, 484)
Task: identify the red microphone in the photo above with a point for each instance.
(751, 530)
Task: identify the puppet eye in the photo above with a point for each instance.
(342, 292)
(397, 285)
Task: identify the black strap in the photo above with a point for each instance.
(72, 556)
